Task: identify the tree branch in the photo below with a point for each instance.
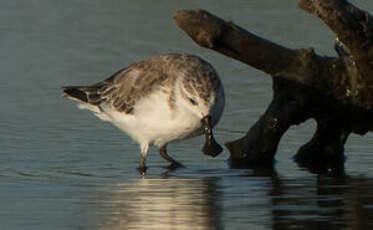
(336, 91)
(231, 40)
(354, 28)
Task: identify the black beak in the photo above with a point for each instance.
(211, 147)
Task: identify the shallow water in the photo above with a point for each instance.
(62, 168)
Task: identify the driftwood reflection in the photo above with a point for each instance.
(161, 204)
(324, 202)
(255, 197)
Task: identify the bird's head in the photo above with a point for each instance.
(207, 105)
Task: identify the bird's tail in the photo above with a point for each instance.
(83, 94)
(88, 97)
(75, 93)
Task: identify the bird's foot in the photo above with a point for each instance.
(175, 165)
(142, 170)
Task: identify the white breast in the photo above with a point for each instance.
(155, 122)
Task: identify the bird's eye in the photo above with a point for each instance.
(191, 100)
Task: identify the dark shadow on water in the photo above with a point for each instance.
(208, 198)
(330, 201)
(333, 203)
(168, 170)
(322, 166)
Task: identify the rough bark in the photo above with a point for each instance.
(354, 28)
(335, 91)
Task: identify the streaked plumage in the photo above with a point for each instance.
(158, 100)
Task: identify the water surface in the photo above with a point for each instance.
(62, 168)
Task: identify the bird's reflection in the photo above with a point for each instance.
(161, 204)
(259, 196)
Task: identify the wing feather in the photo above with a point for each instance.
(126, 87)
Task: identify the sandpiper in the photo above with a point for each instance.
(157, 101)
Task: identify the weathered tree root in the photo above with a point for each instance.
(335, 91)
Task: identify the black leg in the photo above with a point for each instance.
(174, 164)
(142, 167)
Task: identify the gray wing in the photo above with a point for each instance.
(124, 88)
(127, 86)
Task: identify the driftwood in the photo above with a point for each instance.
(335, 91)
